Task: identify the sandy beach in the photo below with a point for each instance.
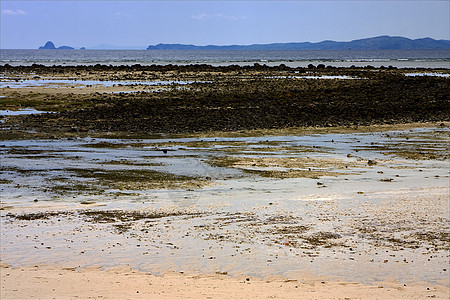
(120, 193)
(124, 283)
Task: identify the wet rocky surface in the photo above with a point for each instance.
(201, 98)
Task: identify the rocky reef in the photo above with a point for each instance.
(237, 98)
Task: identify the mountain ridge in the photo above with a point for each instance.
(383, 42)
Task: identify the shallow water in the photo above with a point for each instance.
(26, 111)
(428, 74)
(63, 83)
(191, 156)
(317, 77)
(241, 223)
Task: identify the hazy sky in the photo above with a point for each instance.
(29, 24)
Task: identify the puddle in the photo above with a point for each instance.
(317, 77)
(26, 111)
(427, 74)
(62, 83)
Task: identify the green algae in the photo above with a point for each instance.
(139, 179)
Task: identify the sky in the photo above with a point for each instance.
(30, 24)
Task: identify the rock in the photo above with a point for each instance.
(387, 179)
(371, 162)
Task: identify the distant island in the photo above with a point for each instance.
(375, 43)
(51, 46)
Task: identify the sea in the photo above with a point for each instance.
(293, 58)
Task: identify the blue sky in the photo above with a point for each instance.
(29, 24)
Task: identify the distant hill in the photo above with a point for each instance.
(115, 47)
(50, 45)
(375, 43)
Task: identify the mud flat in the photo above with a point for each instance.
(129, 209)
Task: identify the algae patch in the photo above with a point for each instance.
(287, 167)
(139, 179)
(415, 145)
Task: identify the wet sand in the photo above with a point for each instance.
(296, 212)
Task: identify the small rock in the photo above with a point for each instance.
(387, 179)
(371, 162)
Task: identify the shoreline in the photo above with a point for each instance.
(206, 177)
(376, 58)
(122, 282)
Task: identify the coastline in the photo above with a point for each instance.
(110, 205)
(124, 283)
(433, 59)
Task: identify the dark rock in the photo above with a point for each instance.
(371, 162)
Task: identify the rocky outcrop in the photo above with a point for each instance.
(264, 100)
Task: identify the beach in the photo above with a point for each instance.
(202, 182)
(123, 283)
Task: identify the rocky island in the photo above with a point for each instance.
(50, 46)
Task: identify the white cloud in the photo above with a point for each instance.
(203, 16)
(10, 12)
(122, 15)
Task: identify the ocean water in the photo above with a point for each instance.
(337, 58)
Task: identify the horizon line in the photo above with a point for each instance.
(118, 47)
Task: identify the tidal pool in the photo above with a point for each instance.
(428, 74)
(25, 111)
(63, 83)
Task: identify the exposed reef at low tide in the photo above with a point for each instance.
(201, 98)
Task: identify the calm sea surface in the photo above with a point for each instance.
(397, 58)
